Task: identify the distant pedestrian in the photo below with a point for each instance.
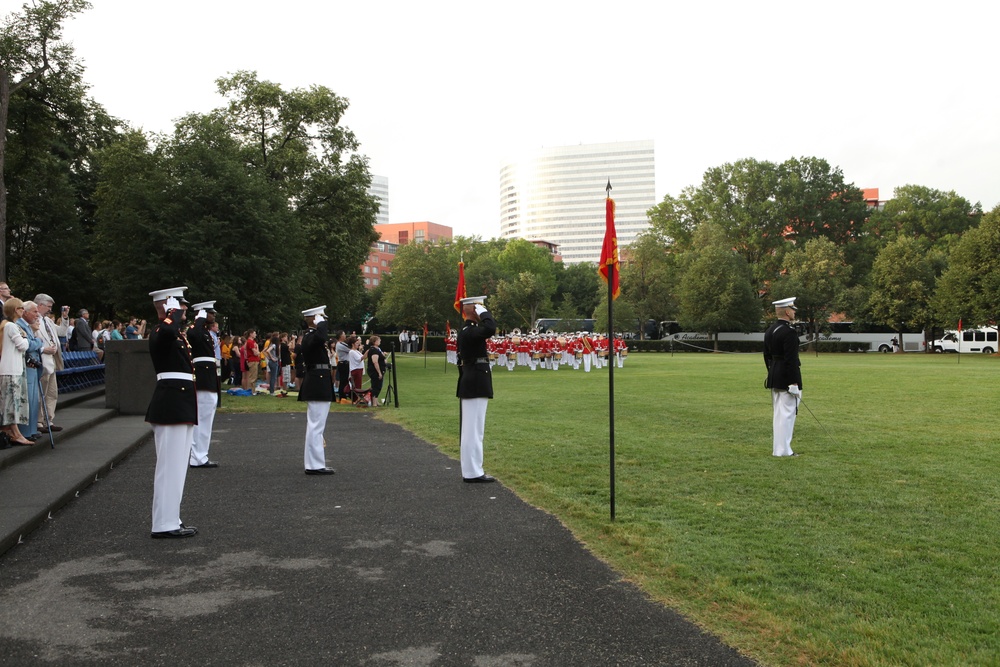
(376, 366)
(251, 360)
(342, 351)
(82, 339)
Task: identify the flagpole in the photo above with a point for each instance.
(611, 373)
(611, 383)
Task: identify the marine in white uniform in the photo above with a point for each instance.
(475, 385)
(173, 413)
(316, 390)
(784, 377)
(207, 381)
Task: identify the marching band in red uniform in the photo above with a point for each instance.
(551, 350)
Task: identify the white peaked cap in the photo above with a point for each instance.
(164, 294)
(204, 305)
(785, 303)
(473, 299)
(318, 310)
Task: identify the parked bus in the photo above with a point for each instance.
(873, 339)
(554, 324)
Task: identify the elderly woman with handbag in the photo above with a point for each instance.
(13, 382)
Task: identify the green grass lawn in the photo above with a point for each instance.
(877, 546)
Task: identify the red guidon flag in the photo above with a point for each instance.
(460, 292)
(960, 325)
(609, 251)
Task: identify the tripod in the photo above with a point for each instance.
(390, 386)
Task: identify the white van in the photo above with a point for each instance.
(981, 341)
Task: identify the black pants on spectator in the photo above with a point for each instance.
(344, 378)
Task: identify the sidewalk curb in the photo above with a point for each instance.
(18, 521)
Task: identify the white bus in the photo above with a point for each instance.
(883, 340)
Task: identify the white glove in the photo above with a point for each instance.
(795, 391)
(480, 309)
(201, 313)
(319, 318)
(172, 304)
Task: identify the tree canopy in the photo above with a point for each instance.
(226, 208)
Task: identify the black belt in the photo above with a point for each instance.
(480, 360)
(319, 367)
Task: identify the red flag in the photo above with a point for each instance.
(960, 325)
(609, 251)
(460, 292)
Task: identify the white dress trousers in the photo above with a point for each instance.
(473, 430)
(785, 406)
(316, 414)
(173, 447)
(207, 401)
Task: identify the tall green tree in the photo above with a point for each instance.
(716, 291)
(648, 280)
(240, 211)
(740, 200)
(815, 201)
(817, 275)
(969, 289)
(31, 45)
(903, 279)
(295, 139)
(194, 214)
(54, 130)
(934, 217)
(522, 300)
(578, 285)
(421, 287)
(675, 219)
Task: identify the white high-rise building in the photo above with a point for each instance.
(557, 195)
(380, 188)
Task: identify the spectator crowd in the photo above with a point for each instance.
(35, 337)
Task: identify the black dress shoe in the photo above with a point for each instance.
(55, 429)
(183, 531)
(206, 464)
(482, 479)
(321, 471)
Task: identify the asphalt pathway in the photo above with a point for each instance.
(393, 561)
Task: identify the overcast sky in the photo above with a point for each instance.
(443, 93)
